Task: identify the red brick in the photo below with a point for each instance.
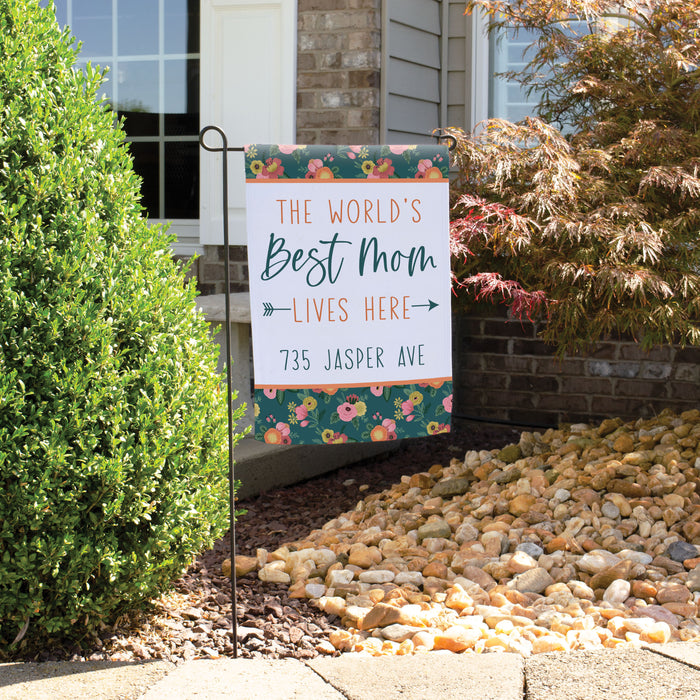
(604, 351)
(508, 363)
(563, 402)
(612, 406)
(464, 327)
(685, 390)
(309, 119)
(323, 5)
(517, 399)
(586, 385)
(531, 347)
(691, 355)
(486, 380)
(644, 389)
(531, 382)
(341, 136)
(543, 419)
(553, 365)
(509, 329)
(363, 78)
(498, 346)
(633, 351)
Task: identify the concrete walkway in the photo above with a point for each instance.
(649, 673)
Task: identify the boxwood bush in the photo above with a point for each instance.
(113, 430)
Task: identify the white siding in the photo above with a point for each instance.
(413, 90)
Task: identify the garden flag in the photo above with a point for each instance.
(349, 272)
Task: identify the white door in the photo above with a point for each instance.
(248, 89)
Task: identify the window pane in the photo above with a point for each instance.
(182, 180)
(146, 165)
(181, 97)
(92, 24)
(137, 96)
(508, 99)
(138, 27)
(182, 26)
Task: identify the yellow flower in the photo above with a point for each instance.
(361, 408)
(398, 415)
(432, 427)
(310, 403)
(415, 398)
(256, 167)
(256, 410)
(327, 435)
(367, 167)
(291, 406)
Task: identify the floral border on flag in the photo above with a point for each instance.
(273, 162)
(356, 414)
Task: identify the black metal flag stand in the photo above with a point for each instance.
(225, 150)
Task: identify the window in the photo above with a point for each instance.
(493, 95)
(151, 48)
(512, 51)
(507, 98)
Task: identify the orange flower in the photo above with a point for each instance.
(433, 174)
(273, 437)
(379, 433)
(323, 173)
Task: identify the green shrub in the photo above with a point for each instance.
(113, 431)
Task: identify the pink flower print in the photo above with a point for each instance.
(283, 429)
(390, 426)
(347, 411)
(288, 148)
(377, 390)
(447, 403)
(270, 393)
(354, 150)
(302, 413)
(427, 171)
(407, 409)
(382, 170)
(314, 165)
(398, 150)
(272, 170)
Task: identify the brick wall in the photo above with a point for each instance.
(338, 65)
(211, 269)
(504, 372)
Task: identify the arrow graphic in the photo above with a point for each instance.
(431, 305)
(269, 309)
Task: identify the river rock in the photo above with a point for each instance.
(532, 581)
(435, 528)
(510, 454)
(575, 543)
(680, 551)
(451, 487)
